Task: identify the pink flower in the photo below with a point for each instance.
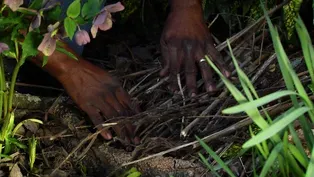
(3, 47)
(48, 44)
(82, 37)
(13, 4)
(103, 20)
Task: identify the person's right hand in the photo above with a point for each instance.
(95, 91)
(184, 43)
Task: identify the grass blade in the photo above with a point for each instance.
(258, 102)
(271, 159)
(276, 127)
(215, 157)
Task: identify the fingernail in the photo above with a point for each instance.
(211, 88)
(136, 141)
(193, 95)
(106, 135)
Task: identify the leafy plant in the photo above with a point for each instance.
(36, 28)
(278, 155)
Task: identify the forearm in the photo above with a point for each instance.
(175, 4)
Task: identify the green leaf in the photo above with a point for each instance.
(70, 27)
(276, 127)
(271, 159)
(54, 14)
(11, 52)
(17, 143)
(15, 31)
(258, 102)
(45, 61)
(36, 4)
(90, 8)
(32, 142)
(10, 21)
(210, 167)
(215, 157)
(74, 9)
(23, 122)
(62, 50)
(310, 167)
(29, 46)
(80, 20)
(5, 156)
(297, 155)
(135, 174)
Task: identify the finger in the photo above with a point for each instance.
(190, 70)
(175, 65)
(109, 112)
(165, 59)
(206, 71)
(96, 118)
(125, 100)
(112, 100)
(217, 58)
(131, 132)
(126, 130)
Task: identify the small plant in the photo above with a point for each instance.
(277, 155)
(33, 27)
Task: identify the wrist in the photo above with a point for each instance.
(179, 4)
(59, 64)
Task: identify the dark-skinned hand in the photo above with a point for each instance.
(95, 91)
(184, 43)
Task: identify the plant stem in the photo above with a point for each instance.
(5, 92)
(12, 85)
(2, 84)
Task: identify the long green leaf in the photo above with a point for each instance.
(310, 167)
(297, 155)
(215, 157)
(258, 102)
(271, 159)
(276, 127)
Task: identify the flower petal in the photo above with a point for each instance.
(106, 26)
(35, 23)
(82, 37)
(13, 4)
(100, 18)
(94, 30)
(114, 7)
(47, 45)
(3, 47)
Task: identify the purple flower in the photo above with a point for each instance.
(103, 20)
(35, 22)
(13, 4)
(82, 37)
(48, 44)
(3, 47)
(46, 5)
